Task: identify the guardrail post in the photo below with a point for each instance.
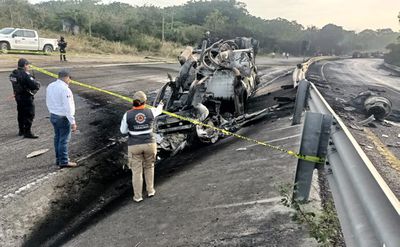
(301, 100)
(314, 141)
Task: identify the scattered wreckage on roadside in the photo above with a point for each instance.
(373, 105)
(213, 86)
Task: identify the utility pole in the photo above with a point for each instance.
(163, 24)
(172, 21)
(11, 16)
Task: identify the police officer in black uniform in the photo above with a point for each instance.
(62, 44)
(25, 86)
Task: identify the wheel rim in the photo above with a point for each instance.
(4, 47)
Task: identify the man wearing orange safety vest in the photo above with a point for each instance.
(142, 147)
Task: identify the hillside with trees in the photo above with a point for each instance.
(393, 56)
(146, 27)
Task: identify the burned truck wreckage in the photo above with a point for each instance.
(213, 87)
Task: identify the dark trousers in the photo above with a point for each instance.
(26, 114)
(62, 54)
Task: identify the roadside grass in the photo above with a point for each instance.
(323, 225)
(84, 44)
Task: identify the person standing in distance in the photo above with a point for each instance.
(142, 147)
(61, 105)
(25, 86)
(62, 44)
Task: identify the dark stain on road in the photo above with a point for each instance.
(103, 186)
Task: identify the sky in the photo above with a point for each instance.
(355, 15)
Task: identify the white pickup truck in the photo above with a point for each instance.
(25, 39)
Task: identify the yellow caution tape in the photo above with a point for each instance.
(310, 158)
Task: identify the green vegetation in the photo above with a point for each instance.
(145, 27)
(323, 225)
(393, 57)
(81, 44)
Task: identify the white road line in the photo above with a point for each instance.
(28, 186)
(322, 71)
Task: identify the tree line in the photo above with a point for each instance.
(186, 24)
(393, 56)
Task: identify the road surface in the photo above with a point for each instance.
(221, 200)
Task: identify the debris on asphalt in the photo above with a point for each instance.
(370, 119)
(241, 149)
(358, 101)
(37, 153)
(377, 90)
(341, 100)
(386, 136)
(386, 124)
(371, 103)
(393, 145)
(379, 106)
(356, 127)
(390, 123)
(369, 147)
(349, 108)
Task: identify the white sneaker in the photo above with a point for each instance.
(138, 200)
(151, 194)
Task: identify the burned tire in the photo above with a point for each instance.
(48, 49)
(4, 47)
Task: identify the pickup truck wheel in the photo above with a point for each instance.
(4, 46)
(48, 49)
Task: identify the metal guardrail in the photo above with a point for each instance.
(368, 211)
(300, 71)
(314, 141)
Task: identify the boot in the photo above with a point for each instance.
(30, 135)
(65, 59)
(61, 58)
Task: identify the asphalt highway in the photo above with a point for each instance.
(39, 202)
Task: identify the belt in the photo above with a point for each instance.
(57, 115)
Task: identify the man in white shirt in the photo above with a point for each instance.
(60, 103)
(142, 147)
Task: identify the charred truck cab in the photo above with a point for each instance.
(213, 86)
